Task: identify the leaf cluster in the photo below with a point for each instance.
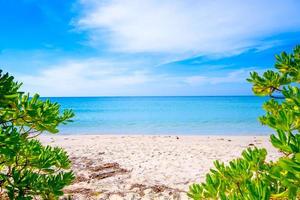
(251, 177)
(9, 89)
(28, 169)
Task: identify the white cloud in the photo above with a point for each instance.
(85, 77)
(237, 76)
(98, 77)
(189, 27)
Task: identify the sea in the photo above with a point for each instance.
(171, 115)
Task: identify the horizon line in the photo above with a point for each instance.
(109, 96)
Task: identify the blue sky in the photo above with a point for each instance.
(150, 47)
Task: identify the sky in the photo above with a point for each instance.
(143, 48)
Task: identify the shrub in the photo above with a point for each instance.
(251, 177)
(27, 168)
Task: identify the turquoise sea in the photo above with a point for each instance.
(230, 115)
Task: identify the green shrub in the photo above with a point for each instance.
(29, 170)
(251, 177)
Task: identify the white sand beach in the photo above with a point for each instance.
(146, 167)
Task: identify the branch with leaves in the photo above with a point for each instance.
(27, 168)
(251, 177)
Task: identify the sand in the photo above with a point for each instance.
(147, 167)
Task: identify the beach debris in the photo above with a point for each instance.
(86, 192)
(159, 188)
(81, 178)
(107, 170)
(142, 189)
(81, 162)
(105, 166)
(79, 190)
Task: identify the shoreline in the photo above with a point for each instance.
(162, 134)
(144, 166)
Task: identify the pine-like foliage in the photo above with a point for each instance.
(251, 177)
(29, 170)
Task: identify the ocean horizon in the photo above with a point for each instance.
(164, 115)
